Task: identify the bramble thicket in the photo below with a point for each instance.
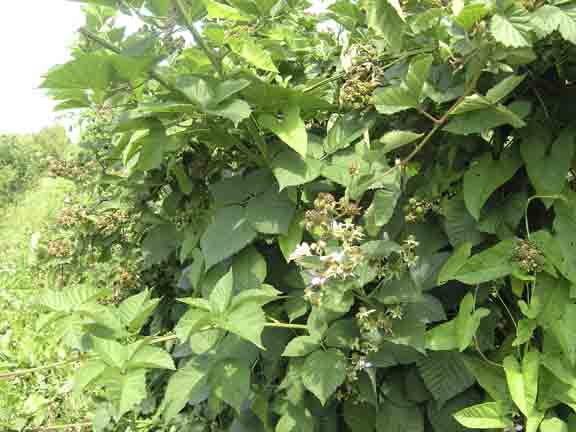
(361, 219)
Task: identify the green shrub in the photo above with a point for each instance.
(364, 229)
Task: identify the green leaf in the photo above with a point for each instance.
(185, 385)
(490, 415)
(249, 269)
(290, 169)
(385, 18)
(548, 19)
(491, 264)
(251, 51)
(347, 129)
(480, 120)
(445, 375)
(230, 382)
(290, 128)
(289, 242)
(490, 377)
(455, 263)
(485, 176)
(553, 424)
(547, 162)
(246, 320)
(271, 212)
(394, 418)
(133, 390)
(87, 374)
(90, 71)
(470, 14)
(459, 225)
(161, 241)
(383, 205)
(342, 334)
(220, 10)
(136, 310)
(523, 380)
(149, 357)
(296, 419)
(229, 232)
(501, 90)
(324, 372)
(301, 346)
(513, 29)
(417, 74)
(196, 89)
(458, 333)
(110, 351)
(222, 293)
(235, 110)
(394, 99)
(395, 139)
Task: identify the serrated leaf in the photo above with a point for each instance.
(296, 419)
(249, 268)
(490, 415)
(111, 352)
(470, 14)
(229, 232)
(251, 51)
(246, 320)
(345, 130)
(271, 212)
(417, 74)
(230, 382)
(290, 128)
(477, 121)
(547, 161)
(523, 380)
(489, 376)
(149, 357)
(455, 263)
(133, 390)
(395, 139)
(458, 333)
(384, 17)
(485, 176)
(549, 18)
(289, 242)
(186, 384)
(459, 224)
(88, 373)
(235, 110)
(324, 372)
(382, 207)
(220, 10)
(394, 418)
(445, 375)
(222, 293)
(391, 100)
(501, 90)
(301, 346)
(290, 169)
(512, 29)
(491, 264)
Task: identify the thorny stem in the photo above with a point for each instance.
(105, 44)
(198, 38)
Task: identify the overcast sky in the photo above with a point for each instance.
(34, 35)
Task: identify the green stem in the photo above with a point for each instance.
(105, 44)
(287, 325)
(198, 38)
(22, 372)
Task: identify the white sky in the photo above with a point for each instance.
(34, 35)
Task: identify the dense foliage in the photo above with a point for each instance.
(349, 221)
(23, 158)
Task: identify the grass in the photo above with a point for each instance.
(39, 397)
